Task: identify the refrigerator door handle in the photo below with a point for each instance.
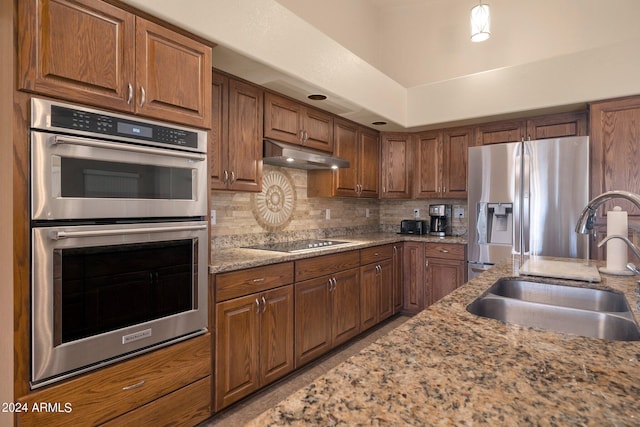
(517, 211)
(526, 197)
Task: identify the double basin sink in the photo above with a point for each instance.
(581, 311)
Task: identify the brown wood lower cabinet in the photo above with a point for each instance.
(376, 285)
(254, 332)
(327, 299)
(431, 271)
(445, 268)
(139, 391)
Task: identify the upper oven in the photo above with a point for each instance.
(88, 164)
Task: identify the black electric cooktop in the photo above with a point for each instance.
(297, 245)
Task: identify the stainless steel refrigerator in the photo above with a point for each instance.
(526, 198)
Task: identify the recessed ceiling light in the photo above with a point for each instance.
(379, 123)
(317, 97)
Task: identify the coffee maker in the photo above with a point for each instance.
(440, 220)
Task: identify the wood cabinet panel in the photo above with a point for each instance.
(103, 395)
(446, 250)
(413, 277)
(398, 255)
(237, 349)
(236, 135)
(615, 158)
(325, 264)
(290, 121)
(254, 343)
(122, 62)
(252, 280)
(454, 172)
(500, 132)
(189, 405)
(369, 295)
(346, 147)
(385, 290)
(557, 126)
(428, 164)
(396, 167)
(346, 306)
(375, 254)
(369, 163)
(313, 307)
(443, 277)
(95, 71)
(173, 75)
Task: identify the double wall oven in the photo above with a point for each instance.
(118, 237)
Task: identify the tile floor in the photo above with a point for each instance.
(252, 406)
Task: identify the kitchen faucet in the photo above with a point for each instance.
(587, 218)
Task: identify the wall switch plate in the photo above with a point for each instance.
(366, 213)
(416, 213)
(327, 214)
(213, 217)
(458, 212)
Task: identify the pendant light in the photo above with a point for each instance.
(480, 23)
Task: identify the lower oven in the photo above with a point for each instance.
(119, 241)
(101, 293)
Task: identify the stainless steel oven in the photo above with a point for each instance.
(119, 240)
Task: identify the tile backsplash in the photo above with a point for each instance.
(284, 212)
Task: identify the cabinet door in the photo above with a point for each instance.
(454, 171)
(346, 147)
(398, 255)
(557, 126)
(443, 277)
(413, 277)
(318, 127)
(77, 50)
(428, 165)
(237, 349)
(385, 290)
(397, 154)
(369, 165)
(369, 284)
(245, 136)
(276, 334)
(282, 119)
(615, 158)
(500, 132)
(312, 319)
(346, 306)
(218, 136)
(173, 75)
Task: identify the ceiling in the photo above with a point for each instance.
(411, 63)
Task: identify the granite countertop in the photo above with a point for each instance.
(446, 366)
(224, 260)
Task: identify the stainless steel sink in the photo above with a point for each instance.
(565, 296)
(574, 310)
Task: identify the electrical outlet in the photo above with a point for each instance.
(416, 213)
(327, 214)
(366, 213)
(213, 217)
(458, 212)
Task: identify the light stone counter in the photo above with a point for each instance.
(446, 366)
(224, 260)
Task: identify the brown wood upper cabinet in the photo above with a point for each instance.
(94, 53)
(290, 121)
(549, 126)
(361, 147)
(441, 163)
(397, 159)
(235, 140)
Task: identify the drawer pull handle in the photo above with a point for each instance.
(261, 279)
(444, 251)
(134, 386)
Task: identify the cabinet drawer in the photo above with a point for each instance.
(326, 264)
(103, 395)
(244, 282)
(188, 406)
(375, 254)
(445, 250)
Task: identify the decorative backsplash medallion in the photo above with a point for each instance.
(273, 207)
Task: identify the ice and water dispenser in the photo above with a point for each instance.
(495, 223)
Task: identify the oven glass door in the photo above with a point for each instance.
(104, 291)
(82, 178)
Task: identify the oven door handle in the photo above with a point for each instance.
(60, 139)
(57, 235)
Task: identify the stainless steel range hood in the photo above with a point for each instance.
(292, 156)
